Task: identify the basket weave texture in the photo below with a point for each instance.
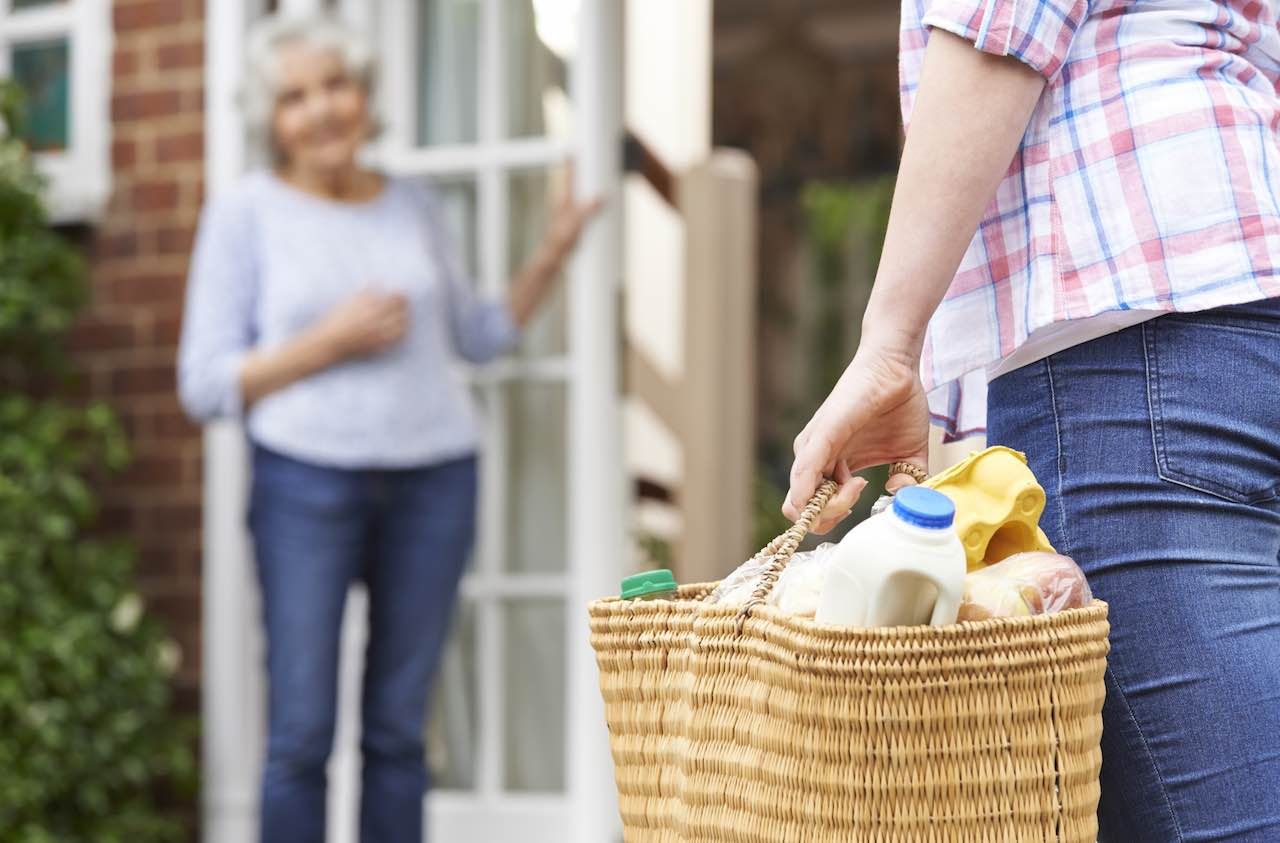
(744, 724)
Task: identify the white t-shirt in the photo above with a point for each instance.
(1063, 335)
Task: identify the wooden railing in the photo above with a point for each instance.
(710, 407)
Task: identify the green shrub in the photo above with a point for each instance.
(89, 746)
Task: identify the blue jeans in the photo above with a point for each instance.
(1159, 447)
(407, 534)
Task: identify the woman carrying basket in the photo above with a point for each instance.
(1083, 259)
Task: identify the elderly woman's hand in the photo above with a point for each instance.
(568, 221)
(368, 323)
(569, 216)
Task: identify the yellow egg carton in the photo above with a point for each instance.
(998, 505)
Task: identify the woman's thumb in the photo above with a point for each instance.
(907, 471)
(806, 475)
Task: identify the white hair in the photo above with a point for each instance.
(260, 88)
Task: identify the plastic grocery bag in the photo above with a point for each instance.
(882, 503)
(1034, 583)
(797, 589)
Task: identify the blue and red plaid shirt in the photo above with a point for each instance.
(1147, 179)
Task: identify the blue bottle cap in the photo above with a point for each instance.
(924, 507)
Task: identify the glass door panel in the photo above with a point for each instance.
(452, 729)
(536, 461)
(540, 36)
(534, 712)
(529, 194)
(448, 41)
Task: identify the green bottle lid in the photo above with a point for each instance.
(648, 583)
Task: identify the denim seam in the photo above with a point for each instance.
(1146, 747)
(1234, 495)
(1155, 408)
(1062, 509)
(1066, 550)
(1153, 389)
(1057, 435)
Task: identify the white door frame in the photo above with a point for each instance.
(233, 702)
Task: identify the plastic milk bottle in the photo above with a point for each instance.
(905, 566)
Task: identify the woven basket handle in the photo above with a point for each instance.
(783, 548)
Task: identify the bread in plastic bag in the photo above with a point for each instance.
(796, 591)
(1032, 583)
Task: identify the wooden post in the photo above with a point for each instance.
(717, 199)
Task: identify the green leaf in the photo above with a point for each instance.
(90, 747)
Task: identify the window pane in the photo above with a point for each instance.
(448, 72)
(452, 726)
(536, 482)
(529, 215)
(457, 200)
(42, 70)
(535, 705)
(540, 40)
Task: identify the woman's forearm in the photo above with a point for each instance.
(266, 371)
(970, 113)
(533, 281)
(368, 323)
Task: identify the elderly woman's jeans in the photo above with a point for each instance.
(1159, 447)
(407, 535)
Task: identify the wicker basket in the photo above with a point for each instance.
(747, 725)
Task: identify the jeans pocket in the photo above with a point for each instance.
(1215, 413)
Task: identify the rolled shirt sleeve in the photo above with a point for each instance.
(1036, 32)
(217, 323)
(482, 328)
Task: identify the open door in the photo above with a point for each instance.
(478, 98)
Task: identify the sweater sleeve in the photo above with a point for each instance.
(1036, 32)
(483, 329)
(218, 320)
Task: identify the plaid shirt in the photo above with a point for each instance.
(1146, 180)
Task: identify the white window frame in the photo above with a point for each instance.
(79, 178)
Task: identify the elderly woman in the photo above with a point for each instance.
(325, 308)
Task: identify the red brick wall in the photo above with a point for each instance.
(127, 342)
